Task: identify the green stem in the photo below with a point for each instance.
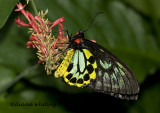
(20, 76)
(34, 7)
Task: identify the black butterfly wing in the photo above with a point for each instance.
(112, 75)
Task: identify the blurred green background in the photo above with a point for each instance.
(128, 28)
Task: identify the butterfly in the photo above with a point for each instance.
(87, 64)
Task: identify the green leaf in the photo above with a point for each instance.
(147, 7)
(6, 7)
(25, 100)
(148, 102)
(13, 52)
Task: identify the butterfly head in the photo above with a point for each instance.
(77, 39)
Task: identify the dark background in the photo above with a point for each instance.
(129, 29)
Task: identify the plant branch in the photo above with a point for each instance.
(34, 7)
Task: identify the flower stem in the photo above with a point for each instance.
(34, 7)
(19, 77)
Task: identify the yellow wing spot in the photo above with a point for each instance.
(94, 65)
(71, 84)
(87, 82)
(65, 63)
(65, 74)
(65, 79)
(93, 75)
(79, 85)
(87, 53)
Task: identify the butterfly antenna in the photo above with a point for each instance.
(93, 21)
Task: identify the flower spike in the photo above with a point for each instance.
(42, 39)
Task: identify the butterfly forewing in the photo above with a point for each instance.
(112, 75)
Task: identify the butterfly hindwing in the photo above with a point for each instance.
(80, 68)
(65, 63)
(112, 75)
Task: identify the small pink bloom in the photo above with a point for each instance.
(30, 44)
(20, 7)
(61, 32)
(40, 21)
(19, 22)
(54, 45)
(57, 22)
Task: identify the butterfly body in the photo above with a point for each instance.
(89, 64)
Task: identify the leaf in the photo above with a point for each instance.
(147, 7)
(13, 52)
(6, 7)
(149, 101)
(29, 100)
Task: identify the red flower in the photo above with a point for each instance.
(41, 37)
(20, 7)
(19, 22)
